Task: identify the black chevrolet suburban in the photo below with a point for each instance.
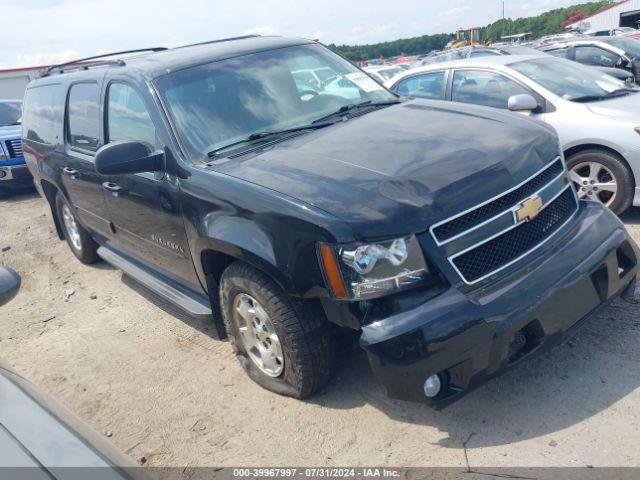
(268, 185)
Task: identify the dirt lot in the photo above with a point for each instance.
(167, 391)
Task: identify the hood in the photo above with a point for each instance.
(399, 169)
(10, 132)
(626, 107)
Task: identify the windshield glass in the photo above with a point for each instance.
(567, 79)
(631, 47)
(10, 113)
(389, 73)
(222, 102)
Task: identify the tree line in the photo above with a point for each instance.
(547, 23)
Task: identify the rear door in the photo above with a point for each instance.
(82, 138)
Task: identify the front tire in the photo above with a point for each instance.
(78, 238)
(602, 176)
(284, 346)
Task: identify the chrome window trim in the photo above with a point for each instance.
(475, 207)
(511, 262)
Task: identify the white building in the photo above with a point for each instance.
(624, 13)
(14, 81)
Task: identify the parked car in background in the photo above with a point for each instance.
(561, 37)
(612, 32)
(384, 73)
(497, 50)
(39, 438)
(14, 173)
(438, 232)
(612, 52)
(323, 81)
(596, 116)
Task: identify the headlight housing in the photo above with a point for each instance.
(371, 270)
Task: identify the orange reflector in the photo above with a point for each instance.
(332, 272)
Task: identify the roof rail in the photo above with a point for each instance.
(242, 37)
(81, 62)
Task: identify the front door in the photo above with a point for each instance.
(79, 177)
(144, 208)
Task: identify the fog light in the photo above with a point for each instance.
(432, 386)
(3, 174)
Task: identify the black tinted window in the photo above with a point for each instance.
(427, 85)
(83, 116)
(42, 116)
(127, 116)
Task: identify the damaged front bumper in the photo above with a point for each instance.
(467, 338)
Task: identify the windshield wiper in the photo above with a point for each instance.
(342, 111)
(265, 135)
(620, 92)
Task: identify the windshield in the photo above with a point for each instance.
(389, 73)
(223, 102)
(10, 113)
(631, 47)
(567, 79)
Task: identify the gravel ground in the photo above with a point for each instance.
(169, 394)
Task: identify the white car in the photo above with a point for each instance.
(384, 73)
(596, 116)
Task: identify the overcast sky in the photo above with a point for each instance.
(36, 32)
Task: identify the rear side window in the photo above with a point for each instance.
(83, 116)
(427, 85)
(127, 116)
(42, 114)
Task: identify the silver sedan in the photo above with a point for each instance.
(596, 116)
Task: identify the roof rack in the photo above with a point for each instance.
(230, 39)
(81, 63)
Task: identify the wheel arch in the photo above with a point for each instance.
(50, 191)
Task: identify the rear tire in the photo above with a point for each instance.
(295, 340)
(595, 171)
(78, 238)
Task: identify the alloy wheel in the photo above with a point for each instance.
(594, 181)
(258, 335)
(71, 227)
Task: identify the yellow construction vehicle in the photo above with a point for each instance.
(467, 37)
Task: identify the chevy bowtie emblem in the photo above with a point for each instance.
(529, 209)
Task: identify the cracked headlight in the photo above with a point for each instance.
(365, 271)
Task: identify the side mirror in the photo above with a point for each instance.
(622, 63)
(9, 284)
(122, 157)
(521, 103)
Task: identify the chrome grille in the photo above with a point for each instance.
(452, 228)
(14, 147)
(507, 248)
(489, 237)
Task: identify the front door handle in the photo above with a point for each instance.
(114, 188)
(70, 171)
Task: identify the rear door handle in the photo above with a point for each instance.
(70, 171)
(114, 188)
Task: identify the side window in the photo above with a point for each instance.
(484, 88)
(83, 116)
(483, 53)
(127, 116)
(596, 56)
(42, 114)
(427, 85)
(558, 52)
